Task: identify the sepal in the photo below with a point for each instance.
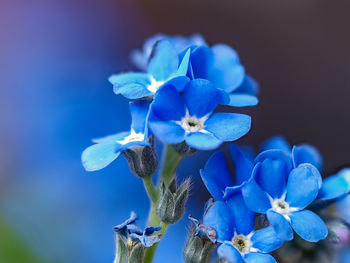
(184, 149)
(171, 204)
(197, 250)
(128, 251)
(142, 160)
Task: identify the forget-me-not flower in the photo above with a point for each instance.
(140, 58)
(283, 192)
(216, 175)
(129, 230)
(221, 65)
(107, 149)
(165, 65)
(333, 187)
(234, 225)
(190, 118)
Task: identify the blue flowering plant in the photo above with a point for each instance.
(175, 101)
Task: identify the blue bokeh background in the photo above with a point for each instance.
(56, 57)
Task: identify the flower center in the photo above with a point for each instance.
(281, 206)
(242, 243)
(155, 85)
(192, 124)
(132, 137)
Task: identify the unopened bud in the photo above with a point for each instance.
(197, 250)
(171, 204)
(142, 160)
(339, 233)
(129, 251)
(183, 149)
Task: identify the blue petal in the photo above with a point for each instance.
(121, 228)
(225, 55)
(167, 132)
(307, 154)
(201, 58)
(254, 197)
(179, 82)
(201, 97)
(219, 217)
(131, 85)
(164, 61)
(335, 186)
(216, 175)
(100, 155)
(242, 100)
(272, 175)
(202, 141)
(228, 126)
(150, 230)
(139, 113)
(276, 143)
(266, 240)
(302, 187)
(227, 78)
(111, 138)
(309, 226)
(256, 257)
(183, 67)
(167, 104)
(227, 73)
(243, 217)
(280, 225)
(248, 86)
(243, 167)
(229, 253)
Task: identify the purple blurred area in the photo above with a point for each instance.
(55, 58)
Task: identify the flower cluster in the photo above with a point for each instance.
(174, 98)
(282, 184)
(277, 192)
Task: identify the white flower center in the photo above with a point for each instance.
(155, 85)
(280, 206)
(192, 123)
(242, 243)
(132, 137)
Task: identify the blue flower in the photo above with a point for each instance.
(216, 175)
(220, 64)
(129, 230)
(140, 58)
(333, 187)
(165, 65)
(234, 225)
(175, 118)
(282, 192)
(107, 149)
(303, 153)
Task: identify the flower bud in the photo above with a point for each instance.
(197, 250)
(129, 251)
(183, 149)
(171, 204)
(339, 233)
(142, 160)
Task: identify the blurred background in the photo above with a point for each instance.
(55, 58)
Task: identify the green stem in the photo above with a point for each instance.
(170, 161)
(150, 189)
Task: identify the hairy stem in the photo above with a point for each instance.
(150, 189)
(170, 161)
